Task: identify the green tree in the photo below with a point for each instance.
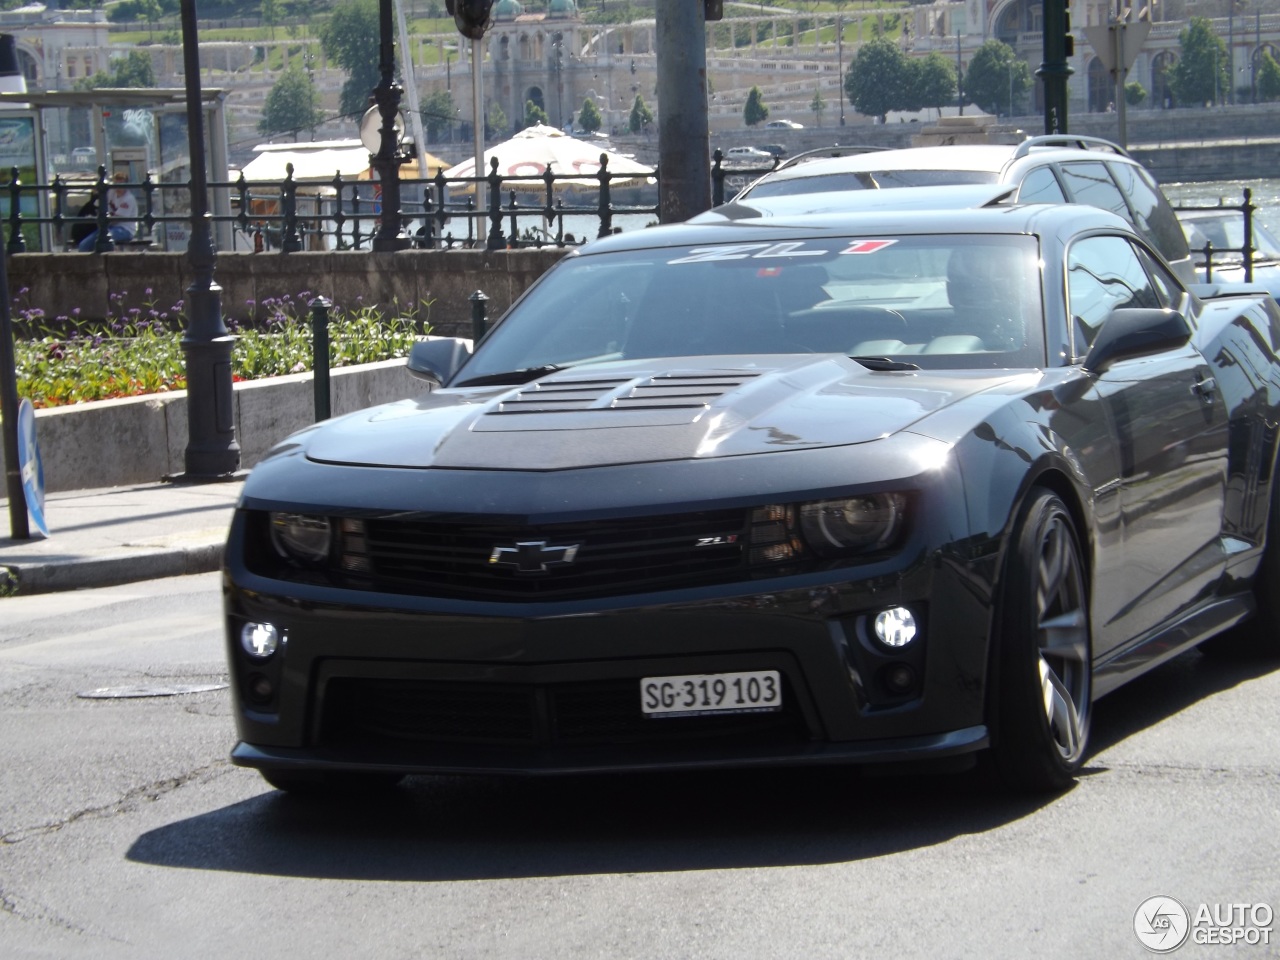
(1202, 74)
(878, 78)
(589, 119)
(496, 122)
(292, 105)
(817, 105)
(1268, 78)
(1135, 94)
(534, 114)
(641, 115)
(438, 115)
(134, 70)
(933, 81)
(755, 111)
(996, 79)
(271, 15)
(350, 39)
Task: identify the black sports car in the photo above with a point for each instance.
(872, 487)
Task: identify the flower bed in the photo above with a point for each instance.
(138, 350)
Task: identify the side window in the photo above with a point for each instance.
(1041, 186)
(1090, 183)
(1152, 214)
(1103, 274)
(1168, 290)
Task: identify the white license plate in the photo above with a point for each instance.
(754, 691)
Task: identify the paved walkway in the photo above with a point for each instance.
(118, 535)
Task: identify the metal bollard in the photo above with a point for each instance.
(478, 301)
(320, 356)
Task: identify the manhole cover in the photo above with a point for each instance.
(168, 690)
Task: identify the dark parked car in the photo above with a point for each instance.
(876, 487)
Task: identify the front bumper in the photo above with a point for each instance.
(391, 683)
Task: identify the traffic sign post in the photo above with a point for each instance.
(1117, 45)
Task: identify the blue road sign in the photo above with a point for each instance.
(32, 468)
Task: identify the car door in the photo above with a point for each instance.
(1169, 428)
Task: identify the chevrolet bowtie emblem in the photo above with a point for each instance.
(533, 556)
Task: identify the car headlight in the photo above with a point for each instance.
(302, 538)
(826, 528)
(851, 524)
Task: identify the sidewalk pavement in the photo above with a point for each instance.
(118, 535)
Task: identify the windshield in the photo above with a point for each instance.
(954, 300)
(867, 180)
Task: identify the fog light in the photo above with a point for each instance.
(259, 689)
(260, 640)
(899, 678)
(895, 627)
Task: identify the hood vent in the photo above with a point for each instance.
(666, 391)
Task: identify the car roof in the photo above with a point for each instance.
(973, 157)
(953, 196)
(1011, 219)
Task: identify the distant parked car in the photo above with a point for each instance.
(1048, 169)
(775, 150)
(784, 125)
(1224, 230)
(751, 154)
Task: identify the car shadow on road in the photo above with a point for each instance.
(471, 828)
(1168, 690)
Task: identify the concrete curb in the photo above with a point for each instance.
(128, 566)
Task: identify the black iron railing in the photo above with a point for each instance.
(342, 213)
(1243, 255)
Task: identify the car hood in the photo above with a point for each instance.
(646, 411)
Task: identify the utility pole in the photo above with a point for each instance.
(684, 134)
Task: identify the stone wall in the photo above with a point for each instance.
(143, 439)
(73, 284)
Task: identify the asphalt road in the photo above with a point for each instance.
(125, 833)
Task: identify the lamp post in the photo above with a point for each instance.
(386, 98)
(840, 61)
(212, 451)
(558, 45)
(959, 77)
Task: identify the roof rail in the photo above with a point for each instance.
(835, 150)
(1068, 140)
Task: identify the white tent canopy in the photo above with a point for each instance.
(531, 151)
(311, 161)
(320, 160)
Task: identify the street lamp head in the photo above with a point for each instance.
(472, 17)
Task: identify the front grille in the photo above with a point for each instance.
(608, 557)
(366, 713)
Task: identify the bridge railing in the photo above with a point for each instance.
(1243, 255)
(339, 214)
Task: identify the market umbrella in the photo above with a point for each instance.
(535, 149)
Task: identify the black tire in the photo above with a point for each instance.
(312, 783)
(1259, 637)
(1043, 676)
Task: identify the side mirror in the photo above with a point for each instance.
(1136, 332)
(436, 361)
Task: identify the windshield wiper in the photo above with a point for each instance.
(523, 375)
(884, 363)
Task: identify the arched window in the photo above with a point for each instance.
(1162, 65)
(1102, 88)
